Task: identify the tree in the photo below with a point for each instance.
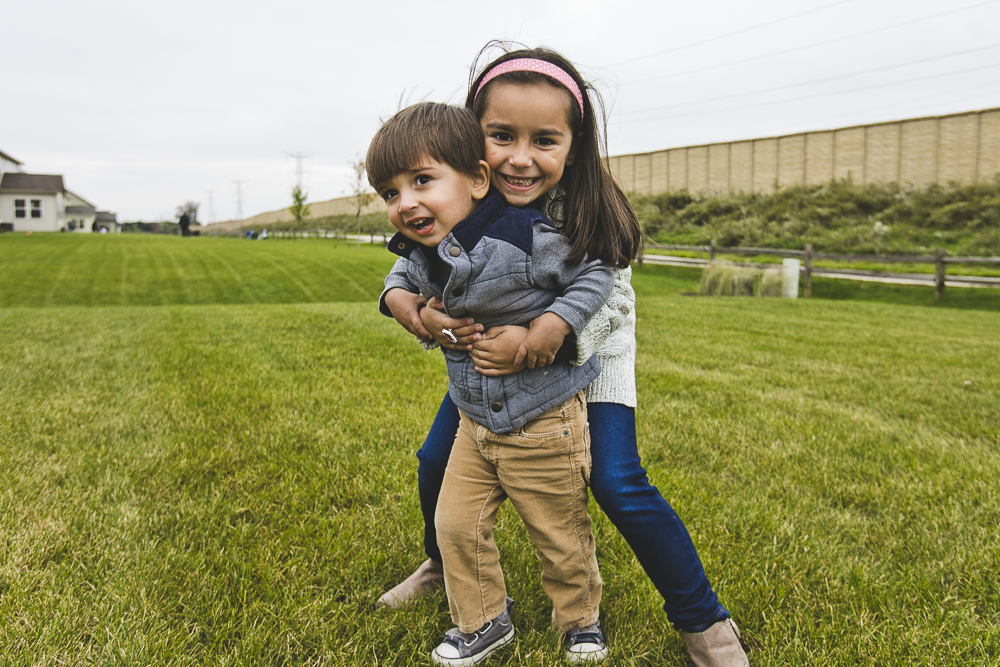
(299, 209)
(191, 209)
(359, 190)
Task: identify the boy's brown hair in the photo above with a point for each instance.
(449, 134)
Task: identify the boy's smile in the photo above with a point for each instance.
(426, 202)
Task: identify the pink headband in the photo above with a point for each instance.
(533, 65)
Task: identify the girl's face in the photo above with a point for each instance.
(529, 141)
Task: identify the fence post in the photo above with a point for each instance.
(711, 251)
(939, 273)
(808, 262)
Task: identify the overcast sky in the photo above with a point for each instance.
(144, 105)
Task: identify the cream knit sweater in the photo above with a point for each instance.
(611, 335)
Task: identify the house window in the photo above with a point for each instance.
(20, 208)
(36, 208)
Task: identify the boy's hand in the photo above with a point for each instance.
(465, 330)
(406, 307)
(494, 354)
(545, 337)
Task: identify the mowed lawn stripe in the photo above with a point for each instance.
(125, 269)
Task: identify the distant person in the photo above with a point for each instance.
(263, 234)
(185, 223)
(104, 230)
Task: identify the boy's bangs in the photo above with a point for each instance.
(447, 134)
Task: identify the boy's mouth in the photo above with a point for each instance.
(422, 226)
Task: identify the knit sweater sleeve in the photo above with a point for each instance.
(609, 319)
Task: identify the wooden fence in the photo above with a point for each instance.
(939, 259)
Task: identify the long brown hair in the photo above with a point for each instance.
(596, 215)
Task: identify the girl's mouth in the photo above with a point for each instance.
(519, 183)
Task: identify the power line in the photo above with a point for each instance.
(730, 34)
(298, 166)
(811, 97)
(808, 46)
(814, 81)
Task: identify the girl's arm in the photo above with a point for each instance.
(496, 354)
(583, 289)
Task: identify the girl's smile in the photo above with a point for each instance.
(529, 141)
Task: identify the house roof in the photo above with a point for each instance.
(17, 182)
(80, 210)
(107, 216)
(71, 194)
(10, 159)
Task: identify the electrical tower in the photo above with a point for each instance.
(298, 166)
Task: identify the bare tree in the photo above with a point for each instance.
(189, 208)
(359, 190)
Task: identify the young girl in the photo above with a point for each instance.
(532, 166)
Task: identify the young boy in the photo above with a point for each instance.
(522, 436)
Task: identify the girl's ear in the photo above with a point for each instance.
(481, 181)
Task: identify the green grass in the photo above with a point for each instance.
(214, 483)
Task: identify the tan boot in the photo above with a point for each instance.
(422, 582)
(719, 646)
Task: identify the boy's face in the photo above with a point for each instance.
(426, 202)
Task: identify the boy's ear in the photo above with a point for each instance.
(481, 181)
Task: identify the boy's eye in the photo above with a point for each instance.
(423, 179)
(388, 194)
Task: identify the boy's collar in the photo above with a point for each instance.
(467, 233)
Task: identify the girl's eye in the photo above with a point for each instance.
(388, 194)
(545, 141)
(502, 136)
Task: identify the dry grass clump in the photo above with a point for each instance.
(722, 278)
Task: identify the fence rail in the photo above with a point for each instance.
(939, 259)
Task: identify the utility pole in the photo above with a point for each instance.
(298, 166)
(211, 206)
(239, 204)
(239, 199)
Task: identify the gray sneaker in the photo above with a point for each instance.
(462, 648)
(586, 644)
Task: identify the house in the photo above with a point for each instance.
(32, 202)
(41, 203)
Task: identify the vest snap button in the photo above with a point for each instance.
(454, 251)
(496, 407)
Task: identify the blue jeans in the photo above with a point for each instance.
(622, 489)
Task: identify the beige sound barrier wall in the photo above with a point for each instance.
(963, 148)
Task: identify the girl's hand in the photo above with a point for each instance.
(465, 330)
(406, 307)
(539, 347)
(494, 354)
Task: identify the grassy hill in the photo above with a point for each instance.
(189, 480)
(836, 217)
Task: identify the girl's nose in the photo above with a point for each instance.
(520, 158)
